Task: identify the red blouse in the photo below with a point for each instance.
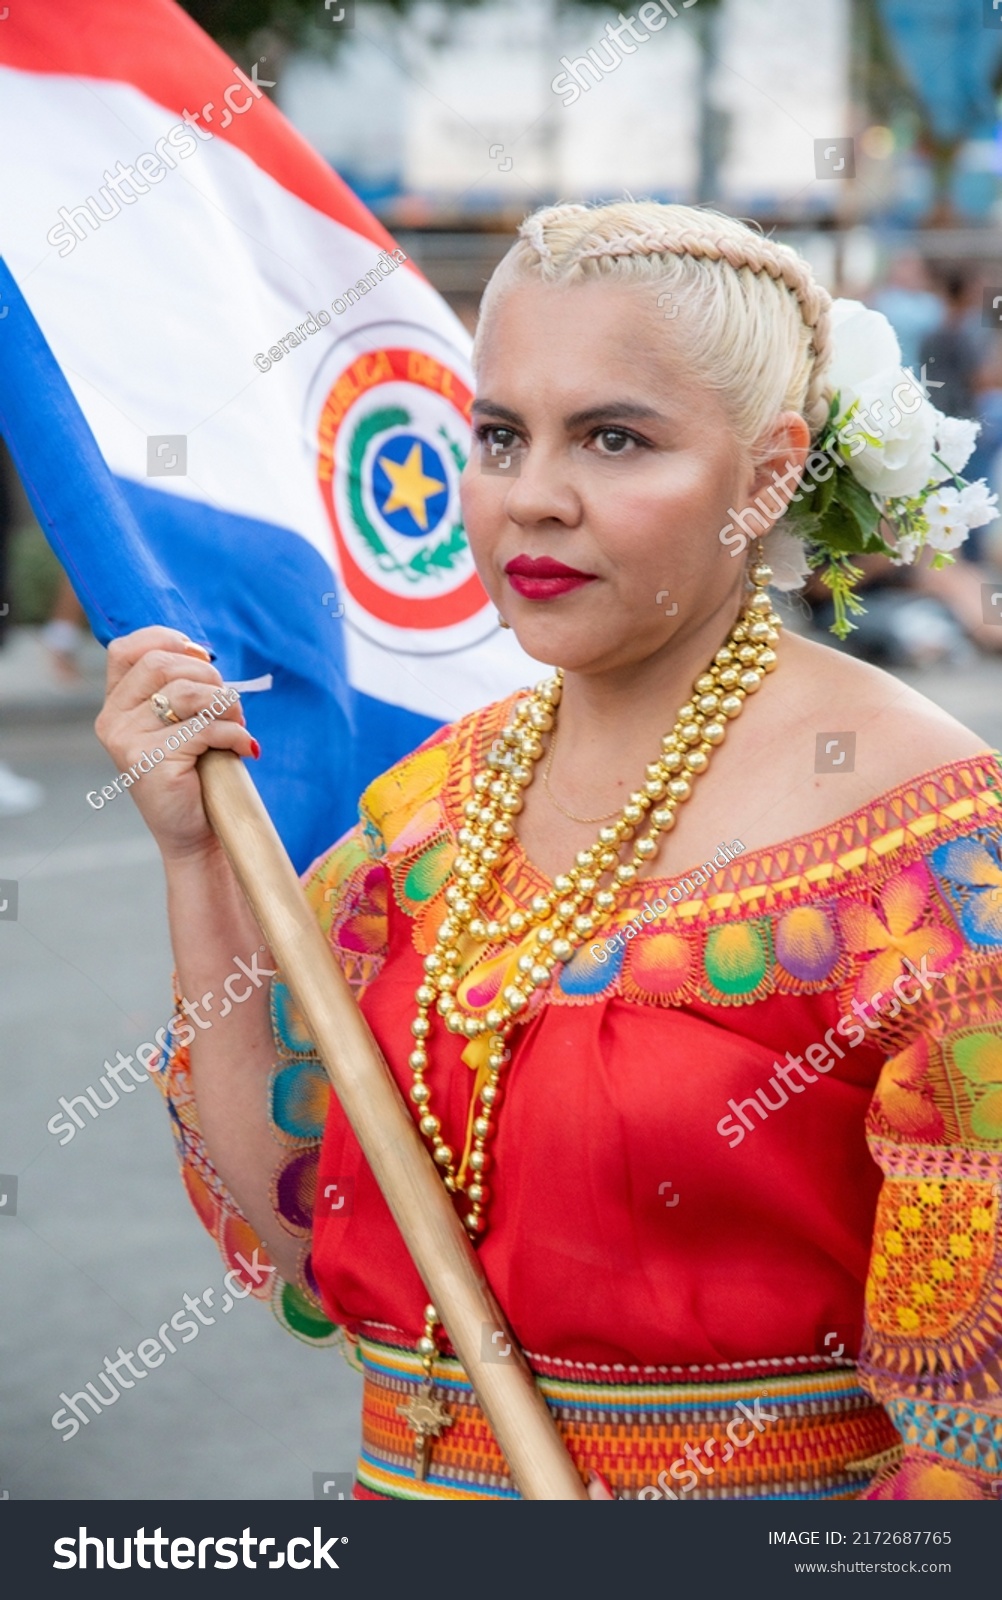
(774, 1101)
(623, 1226)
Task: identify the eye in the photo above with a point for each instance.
(497, 439)
(616, 441)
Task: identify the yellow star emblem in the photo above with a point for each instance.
(412, 488)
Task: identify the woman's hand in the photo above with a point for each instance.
(170, 796)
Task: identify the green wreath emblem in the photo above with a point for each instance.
(432, 559)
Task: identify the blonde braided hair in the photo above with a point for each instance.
(757, 254)
(760, 332)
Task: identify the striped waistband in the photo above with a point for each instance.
(796, 1436)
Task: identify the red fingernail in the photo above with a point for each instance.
(255, 749)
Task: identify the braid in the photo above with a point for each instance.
(739, 250)
(533, 229)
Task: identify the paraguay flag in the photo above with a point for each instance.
(236, 405)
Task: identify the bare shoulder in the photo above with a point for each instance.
(898, 732)
(826, 736)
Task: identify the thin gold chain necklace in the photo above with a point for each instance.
(552, 797)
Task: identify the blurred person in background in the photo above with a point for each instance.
(17, 795)
(964, 361)
(64, 633)
(952, 353)
(911, 306)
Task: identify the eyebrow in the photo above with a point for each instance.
(609, 411)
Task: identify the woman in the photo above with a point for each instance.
(649, 1092)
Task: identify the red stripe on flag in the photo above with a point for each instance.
(157, 48)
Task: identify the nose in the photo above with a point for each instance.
(543, 490)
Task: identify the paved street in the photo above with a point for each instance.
(104, 1245)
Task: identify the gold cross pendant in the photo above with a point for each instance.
(428, 1417)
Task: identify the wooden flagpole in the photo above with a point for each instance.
(390, 1141)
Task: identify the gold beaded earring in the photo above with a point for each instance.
(502, 623)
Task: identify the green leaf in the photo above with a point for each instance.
(860, 502)
(876, 546)
(801, 518)
(826, 493)
(840, 531)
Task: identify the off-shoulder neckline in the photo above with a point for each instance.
(845, 833)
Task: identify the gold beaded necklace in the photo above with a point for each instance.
(559, 922)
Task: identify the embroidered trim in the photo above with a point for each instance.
(790, 919)
(901, 819)
(801, 1436)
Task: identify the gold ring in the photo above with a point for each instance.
(164, 710)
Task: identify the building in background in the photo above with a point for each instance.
(451, 114)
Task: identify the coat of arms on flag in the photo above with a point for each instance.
(393, 437)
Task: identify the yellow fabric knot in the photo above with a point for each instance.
(981, 1218)
(960, 1245)
(908, 1319)
(475, 1055)
(910, 1216)
(931, 1194)
(893, 1243)
(878, 1266)
(941, 1269)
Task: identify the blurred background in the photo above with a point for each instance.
(867, 133)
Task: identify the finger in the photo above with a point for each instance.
(123, 731)
(182, 743)
(189, 698)
(123, 653)
(193, 711)
(158, 670)
(598, 1488)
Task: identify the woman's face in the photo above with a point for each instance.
(597, 450)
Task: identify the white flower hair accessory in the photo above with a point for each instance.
(884, 476)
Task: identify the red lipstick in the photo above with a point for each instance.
(542, 578)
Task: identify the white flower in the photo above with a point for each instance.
(864, 344)
(786, 554)
(955, 439)
(890, 449)
(891, 433)
(948, 526)
(951, 513)
(906, 549)
(977, 505)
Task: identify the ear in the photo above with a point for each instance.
(781, 452)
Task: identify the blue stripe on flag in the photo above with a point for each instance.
(72, 493)
(138, 555)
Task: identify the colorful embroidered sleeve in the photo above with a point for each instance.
(347, 891)
(932, 1351)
